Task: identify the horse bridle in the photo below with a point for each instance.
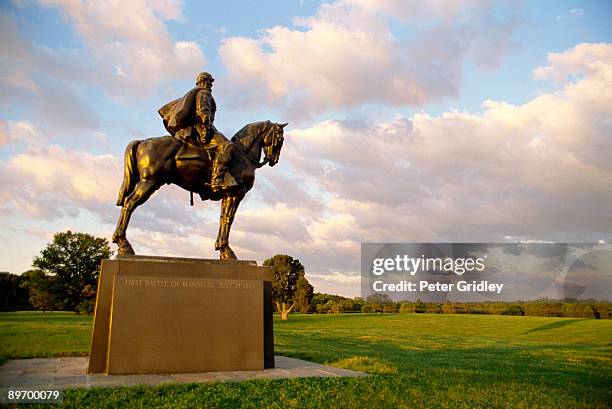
(263, 137)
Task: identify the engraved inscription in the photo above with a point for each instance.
(187, 283)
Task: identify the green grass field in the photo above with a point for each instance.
(416, 360)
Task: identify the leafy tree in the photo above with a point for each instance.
(88, 305)
(420, 307)
(588, 312)
(353, 305)
(377, 302)
(406, 307)
(287, 272)
(367, 308)
(513, 310)
(72, 260)
(39, 287)
(326, 308)
(320, 299)
(13, 297)
(448, 307)
(603, 310)
(378, 298)
(433, 308)
(390, 307)
(303, 295)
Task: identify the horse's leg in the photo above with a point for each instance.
(229, 205)
(119, 234)
(142, 191)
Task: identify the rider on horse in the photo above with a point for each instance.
(191, 120)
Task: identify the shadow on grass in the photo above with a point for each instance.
(554, 325)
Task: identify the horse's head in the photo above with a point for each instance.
(273, 142)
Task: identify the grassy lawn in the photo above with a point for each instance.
(34, 334)
(416, 360)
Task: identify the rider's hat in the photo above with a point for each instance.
(204, 77)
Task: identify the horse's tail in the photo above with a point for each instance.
(130, 176)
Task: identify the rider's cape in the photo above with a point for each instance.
(179, 114)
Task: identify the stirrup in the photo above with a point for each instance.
(227, 182)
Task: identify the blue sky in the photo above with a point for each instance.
(409, 121)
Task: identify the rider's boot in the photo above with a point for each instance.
(221, 178)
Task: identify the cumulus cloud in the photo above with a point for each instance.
(47, 183)
(583, 59)
(50, 182)
(539, 170)
(129, 41)
(127, 49)
(39, 80)
(349, 54)
(19, 131)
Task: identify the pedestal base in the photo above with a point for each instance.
(175, 315)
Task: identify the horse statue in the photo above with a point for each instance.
(152, 162)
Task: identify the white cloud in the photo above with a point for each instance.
(583, 59)
(129, 43)
(572, 14)
(19, 131)
(50, 182)
(47, 183)
(127, 49)
(539, 170)
(330, 281)
(348, 54)
(41, 81)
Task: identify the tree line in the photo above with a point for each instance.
(65, 277)
(381, 303)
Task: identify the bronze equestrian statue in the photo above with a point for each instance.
(198, 158)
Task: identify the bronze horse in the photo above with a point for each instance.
(152, 162)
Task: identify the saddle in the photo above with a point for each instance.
(188, 151)
(192, 160)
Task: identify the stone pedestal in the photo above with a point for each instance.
(157, 315)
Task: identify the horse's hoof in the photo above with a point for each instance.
(227, 254)
(125, 249)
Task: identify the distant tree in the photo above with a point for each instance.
(304, 293)
(602, 310)
(495, 308)
(433, 308)
(378, 298)
(72, 260)
(358, 302)
(39, 285)
(88, 304)
(328, 308)
(420, 307)
(287, 271)
(448, 307)
(320, 299)
(569, 309)
(513, 309)
(589, 312)
(349, 305)
(390, 307)
(13, 296)
(406, 307)
(367, 308)
(377, 302)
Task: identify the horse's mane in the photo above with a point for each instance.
(246, 136)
